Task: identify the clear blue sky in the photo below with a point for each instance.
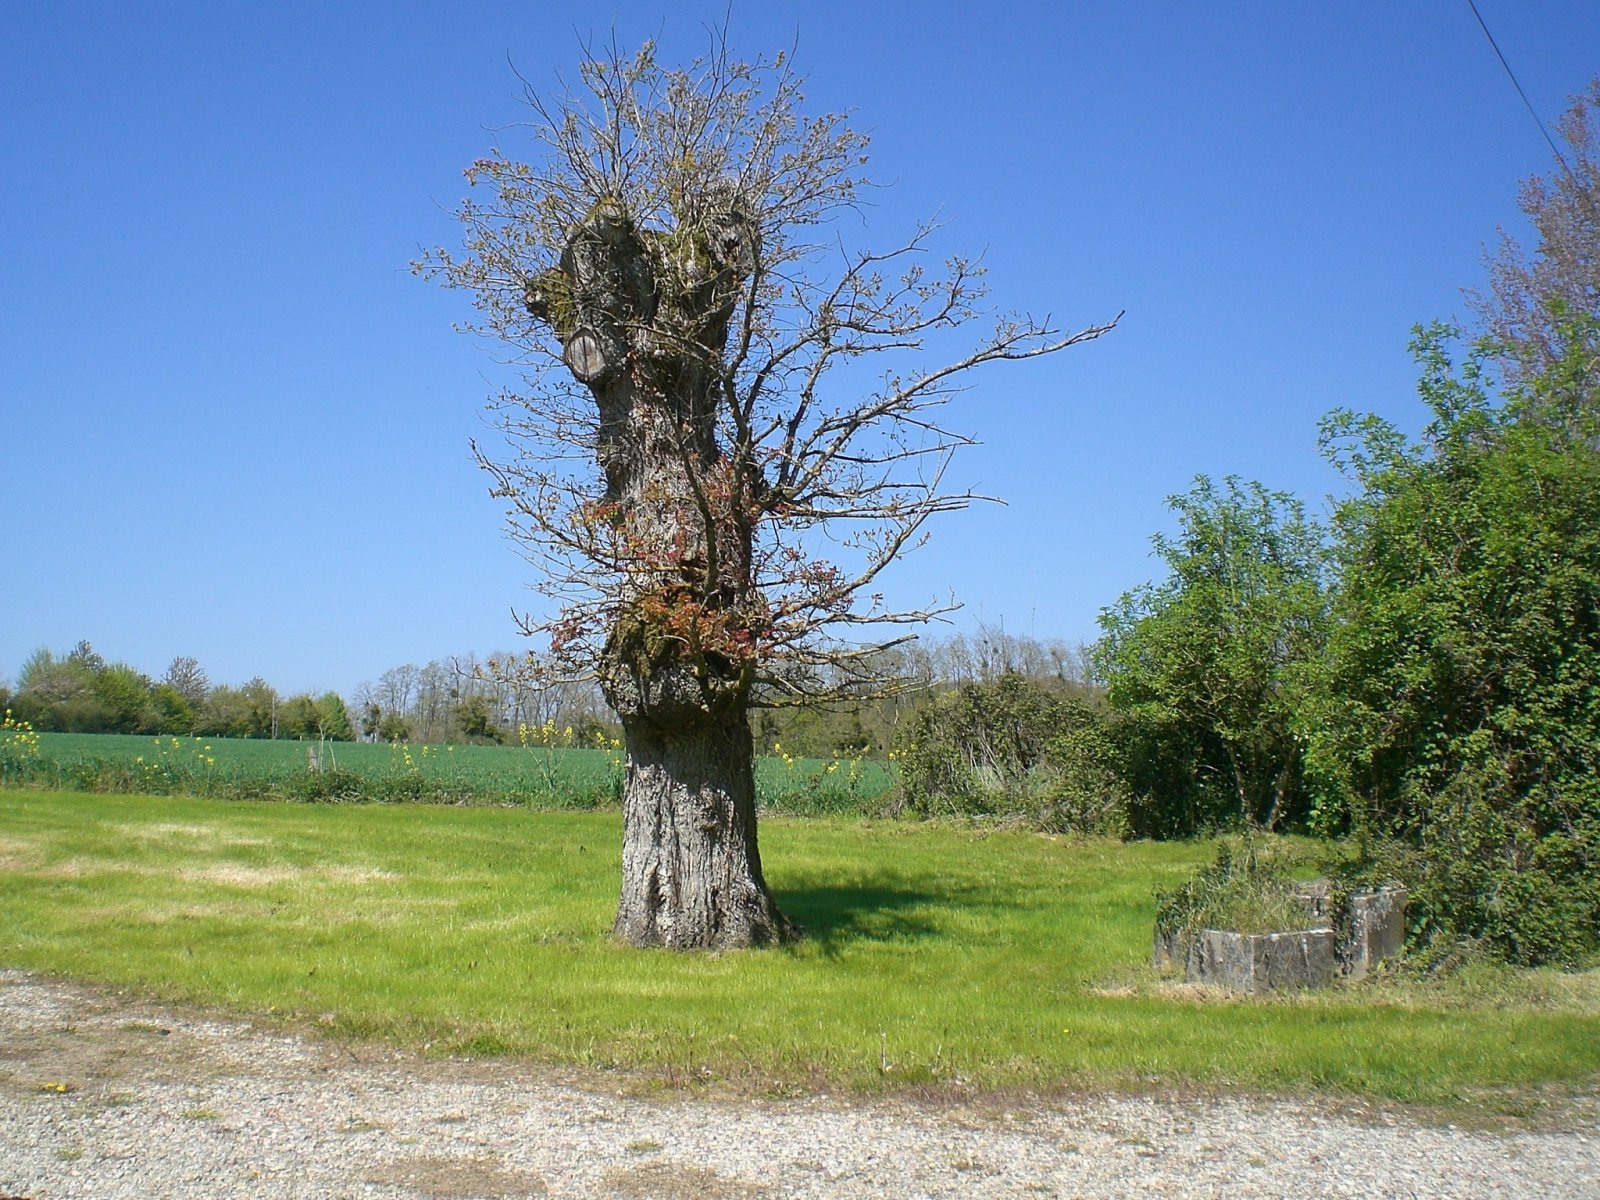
(235, 426)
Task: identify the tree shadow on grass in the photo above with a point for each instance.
(832, 915)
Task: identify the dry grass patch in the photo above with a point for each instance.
(668, 1181)
(1579, 992)
(79, 866)
(189, 836)
(440, 1178)
(227, 874)
(18, 854)
(247, 876)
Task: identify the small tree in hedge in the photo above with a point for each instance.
(1205, 666)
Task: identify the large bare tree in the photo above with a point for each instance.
(669, 272)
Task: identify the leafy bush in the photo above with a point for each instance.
(1459, 711)
(1081, 790)
(1011, 748)
(1513, 871)
(330, 785)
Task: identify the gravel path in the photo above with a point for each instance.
(101, 1097)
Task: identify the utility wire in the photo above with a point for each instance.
(1532, 112)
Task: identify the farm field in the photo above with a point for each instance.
(538, 776)
(934, 955)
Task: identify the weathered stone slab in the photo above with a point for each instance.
(1377, 930)
(1170, 949)
(1254, 962)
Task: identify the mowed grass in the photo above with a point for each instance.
(933, 954)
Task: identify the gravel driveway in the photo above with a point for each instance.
(105, 1098)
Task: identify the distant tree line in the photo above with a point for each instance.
(497, 699)
(512, 698)
(505, 698)
(82, 692)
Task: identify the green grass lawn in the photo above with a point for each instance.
(933, 954)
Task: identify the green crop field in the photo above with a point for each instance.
(933, 955)
(538, 776)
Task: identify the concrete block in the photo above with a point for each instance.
(1377, 929)
(1264, 962)
(1170, 947)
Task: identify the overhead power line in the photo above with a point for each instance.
(1512, 75)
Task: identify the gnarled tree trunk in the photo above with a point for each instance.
(644, 321)
(675, 240)
(691, 870)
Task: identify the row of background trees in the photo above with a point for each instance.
(82, 692)
(468, 699)
(461, 700)
(497, 698)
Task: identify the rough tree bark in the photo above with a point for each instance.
(691, 870)
(643, 318)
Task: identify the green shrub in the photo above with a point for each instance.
(1012, 748)
(331, 785)
(1081, 790)
(1510, 872)
(1459, 705)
